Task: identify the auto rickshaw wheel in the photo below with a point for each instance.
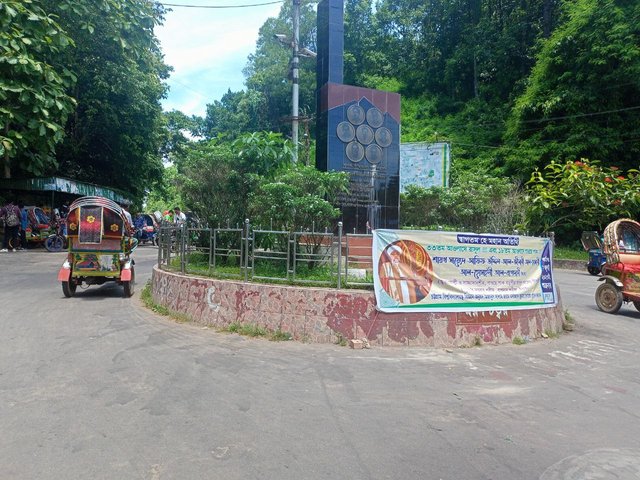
(69, 288)
(593, 270)
(129, 286)
(609, 298)
(637, 305)
(54, 243)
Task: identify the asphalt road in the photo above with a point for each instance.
(96, 387)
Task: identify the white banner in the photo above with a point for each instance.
(423, 271)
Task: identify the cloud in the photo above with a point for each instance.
(208, 48)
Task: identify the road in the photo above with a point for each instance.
(97, 387)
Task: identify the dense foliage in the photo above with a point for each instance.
(80, 84)
(223, 182)
(521, 88)
(475, 203)
(34, 86)
(572, 196)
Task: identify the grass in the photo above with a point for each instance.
(551, 333)
(147, 299)
(570, 253)
(340, 340)
(253, 330)
(246, 329)
(518, 341)
(272, 271)
(569, 322)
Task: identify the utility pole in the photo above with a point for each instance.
(295, 89)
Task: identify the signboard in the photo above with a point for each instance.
(424, 164)
(422, 271)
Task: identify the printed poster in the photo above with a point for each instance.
(424, 271)
(424, 164)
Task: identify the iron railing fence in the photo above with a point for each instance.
(257, 254)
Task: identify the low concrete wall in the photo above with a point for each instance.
(322, 314)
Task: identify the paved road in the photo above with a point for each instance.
(96, 387)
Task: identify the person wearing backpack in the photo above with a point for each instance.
(11, 215)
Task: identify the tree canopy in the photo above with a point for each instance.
(81, 84)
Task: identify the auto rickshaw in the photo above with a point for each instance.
(39, 225)
(592, 243)
(621, 272)
(146, 228)
(100, 246)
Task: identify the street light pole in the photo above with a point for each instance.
(295, 90)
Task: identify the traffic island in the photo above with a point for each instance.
(326, 315)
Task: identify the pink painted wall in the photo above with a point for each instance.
(321, 314)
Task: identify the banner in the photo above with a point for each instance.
(422, 271)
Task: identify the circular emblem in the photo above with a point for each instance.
(355, 114)
(364, 134)
(72, 226)
(383, 137)
(91, 219)
(345, 132)
(373, 153)
(375, 117)
(355, 151)
(114, 227)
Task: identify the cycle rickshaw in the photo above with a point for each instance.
(621, 272)
(100, 246)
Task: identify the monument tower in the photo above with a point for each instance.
(357, 131)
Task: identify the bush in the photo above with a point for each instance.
(475, 202)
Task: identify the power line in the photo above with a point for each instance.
(579, 115)
(221, 6)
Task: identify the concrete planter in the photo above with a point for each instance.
(323, 315)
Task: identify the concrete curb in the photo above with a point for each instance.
(570, 264)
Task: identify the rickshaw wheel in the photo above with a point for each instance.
(129, 286)
(69, 288)
(593, 270)
(608, 298)
(637, 305)
(54, 243)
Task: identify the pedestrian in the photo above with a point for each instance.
(11, 215)
(24, 223)
(179, 217)
(168, 216)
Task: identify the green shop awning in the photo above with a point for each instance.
(64, 185)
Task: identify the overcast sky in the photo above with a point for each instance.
(208, 48)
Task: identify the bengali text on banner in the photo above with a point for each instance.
(423, 271)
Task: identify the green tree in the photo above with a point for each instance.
(582, 95)
(475, 202)
(298, 197)
(269, 70)
(236, 113)
(34, 99)
(567, 197)
(116, 132)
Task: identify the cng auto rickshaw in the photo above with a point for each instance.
(100, 246)
(621, 272)
(592, 243)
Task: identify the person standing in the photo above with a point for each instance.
(24, 223)
(11, 215)
(179, 217)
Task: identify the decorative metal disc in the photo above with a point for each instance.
(373, 153)
(375, 117)
(364, 134)
(355, 114)
(355, 151)
(383, 137)
(346, 132)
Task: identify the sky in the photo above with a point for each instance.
(208, 49)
